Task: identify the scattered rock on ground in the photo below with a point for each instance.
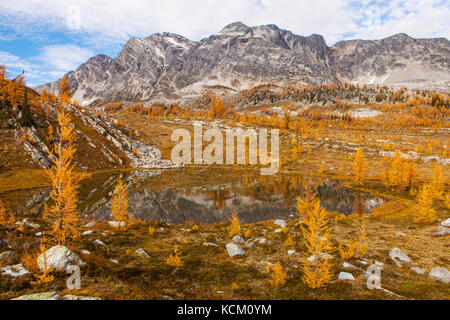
(446, 223)
(440, 274)
(440, 231)
(418, 270)
(280, 222)
(75, 297)
(58, 258)
(40, 296)
(100, 242)
(324, 256)
(349, 265)
(116, 224)
(7, 257)
(346, 276)
(261, 240)
(238, 239)
(25, 222)
(53, 296)
(234, 250)
(15, 271)
(400, 234)
(209, 244)
(397, 255)
(142, 252)
(87, 232)
(91, 224)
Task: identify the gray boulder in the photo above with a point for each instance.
(346, 276)
(58, 258)
(235, 250)
(397, 255)
(440, 274)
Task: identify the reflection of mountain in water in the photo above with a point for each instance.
(334, 197)
(176, 207)
(255, 198)
(253, 202)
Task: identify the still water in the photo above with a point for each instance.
(203, 195)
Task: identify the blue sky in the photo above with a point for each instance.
(48, 38)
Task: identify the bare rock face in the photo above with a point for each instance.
(398, 59)
(240, 57)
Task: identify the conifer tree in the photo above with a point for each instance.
(65, 90)
(317, 268)
(62, 212)
(359, 166)
(119, 206)
(277, 274)
(425, 214)
(235, 227)
(174, 260)
(438, 181)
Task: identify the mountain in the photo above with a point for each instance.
(166, 65)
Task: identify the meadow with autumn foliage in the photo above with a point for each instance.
(359, 208)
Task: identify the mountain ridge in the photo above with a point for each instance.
(240, 57)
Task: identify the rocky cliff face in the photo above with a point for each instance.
(241, 57)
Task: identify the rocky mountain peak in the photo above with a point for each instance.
(240, 57)
(235, 28)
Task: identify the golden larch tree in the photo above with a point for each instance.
(317, 268)
(438, 182)
(65, 90)
(235, 227)
(359, 166)
(277, 274)
(425, 213)
(174, 260)
(119, 205)
(62, 212)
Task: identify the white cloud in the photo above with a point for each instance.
(114, 21)
(105, 25)
(64, 57)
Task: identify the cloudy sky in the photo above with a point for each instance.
(48, 38)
